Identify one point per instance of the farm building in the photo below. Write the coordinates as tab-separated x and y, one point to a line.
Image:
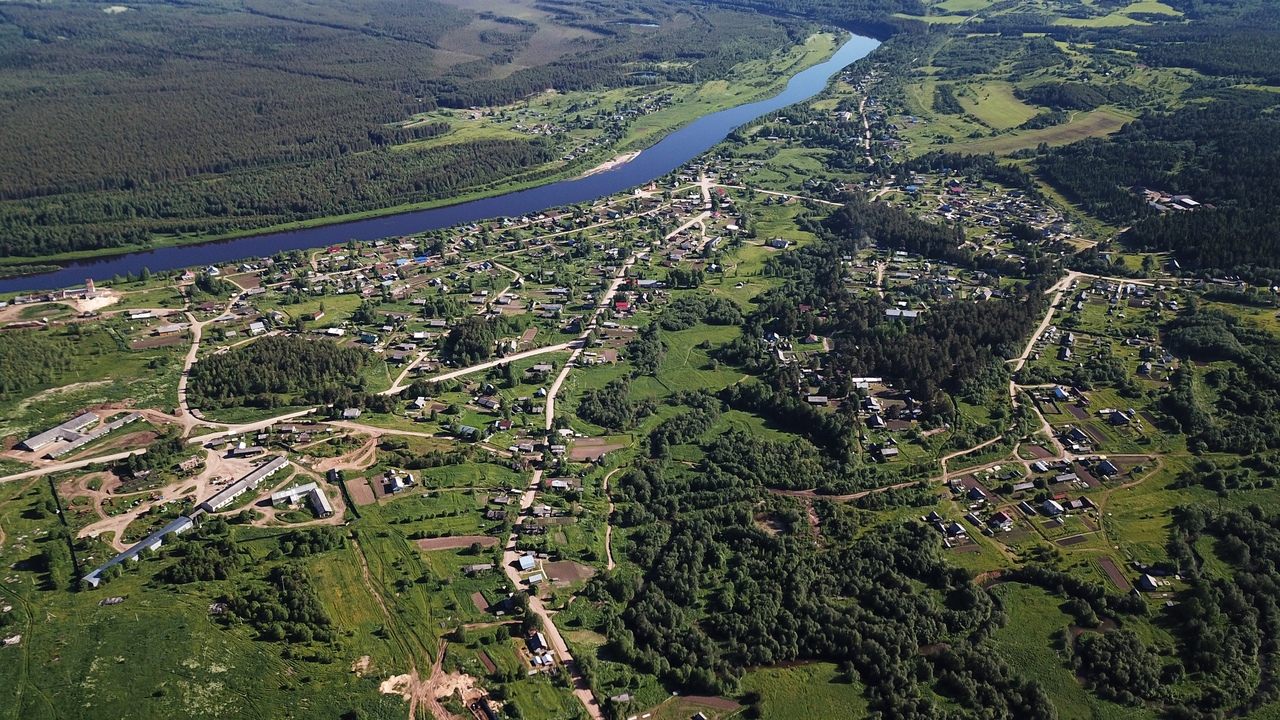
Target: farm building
243	485
152	541
89	437
69	430
310	491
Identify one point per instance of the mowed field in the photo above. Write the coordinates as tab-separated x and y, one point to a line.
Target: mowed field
1100	122
994	104
456	541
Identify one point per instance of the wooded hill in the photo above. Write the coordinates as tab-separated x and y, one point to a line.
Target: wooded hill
205	118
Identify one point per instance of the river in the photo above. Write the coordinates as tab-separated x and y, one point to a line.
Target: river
668	154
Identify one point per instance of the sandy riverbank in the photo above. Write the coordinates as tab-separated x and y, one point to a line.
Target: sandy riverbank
611	164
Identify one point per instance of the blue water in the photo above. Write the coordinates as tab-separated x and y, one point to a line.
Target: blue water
668	154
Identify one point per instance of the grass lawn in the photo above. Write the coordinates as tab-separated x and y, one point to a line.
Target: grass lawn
808	691
102	369
754	79
159	653
1154	7
538	699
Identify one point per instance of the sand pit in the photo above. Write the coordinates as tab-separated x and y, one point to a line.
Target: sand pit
361	667
396	685
101	299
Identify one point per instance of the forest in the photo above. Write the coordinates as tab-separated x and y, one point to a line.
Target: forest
1244	415
718	594
474	338
203	119
275	370
30	359
1227	625
612	406
934	355
1221	153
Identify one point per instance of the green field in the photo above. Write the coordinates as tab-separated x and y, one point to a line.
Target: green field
1026	643
804	692
1097	123
994	104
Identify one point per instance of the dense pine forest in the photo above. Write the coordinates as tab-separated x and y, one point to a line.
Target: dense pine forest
205	119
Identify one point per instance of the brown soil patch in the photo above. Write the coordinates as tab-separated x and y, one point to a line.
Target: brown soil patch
1037	452
568	571
246	280
716	702
1119	460
461	541
527	337
592	448
1016	535
556	521
361	493
1049	407
487	662
478	599
1078	412
1113	572
1095	433
158	342
1068	542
